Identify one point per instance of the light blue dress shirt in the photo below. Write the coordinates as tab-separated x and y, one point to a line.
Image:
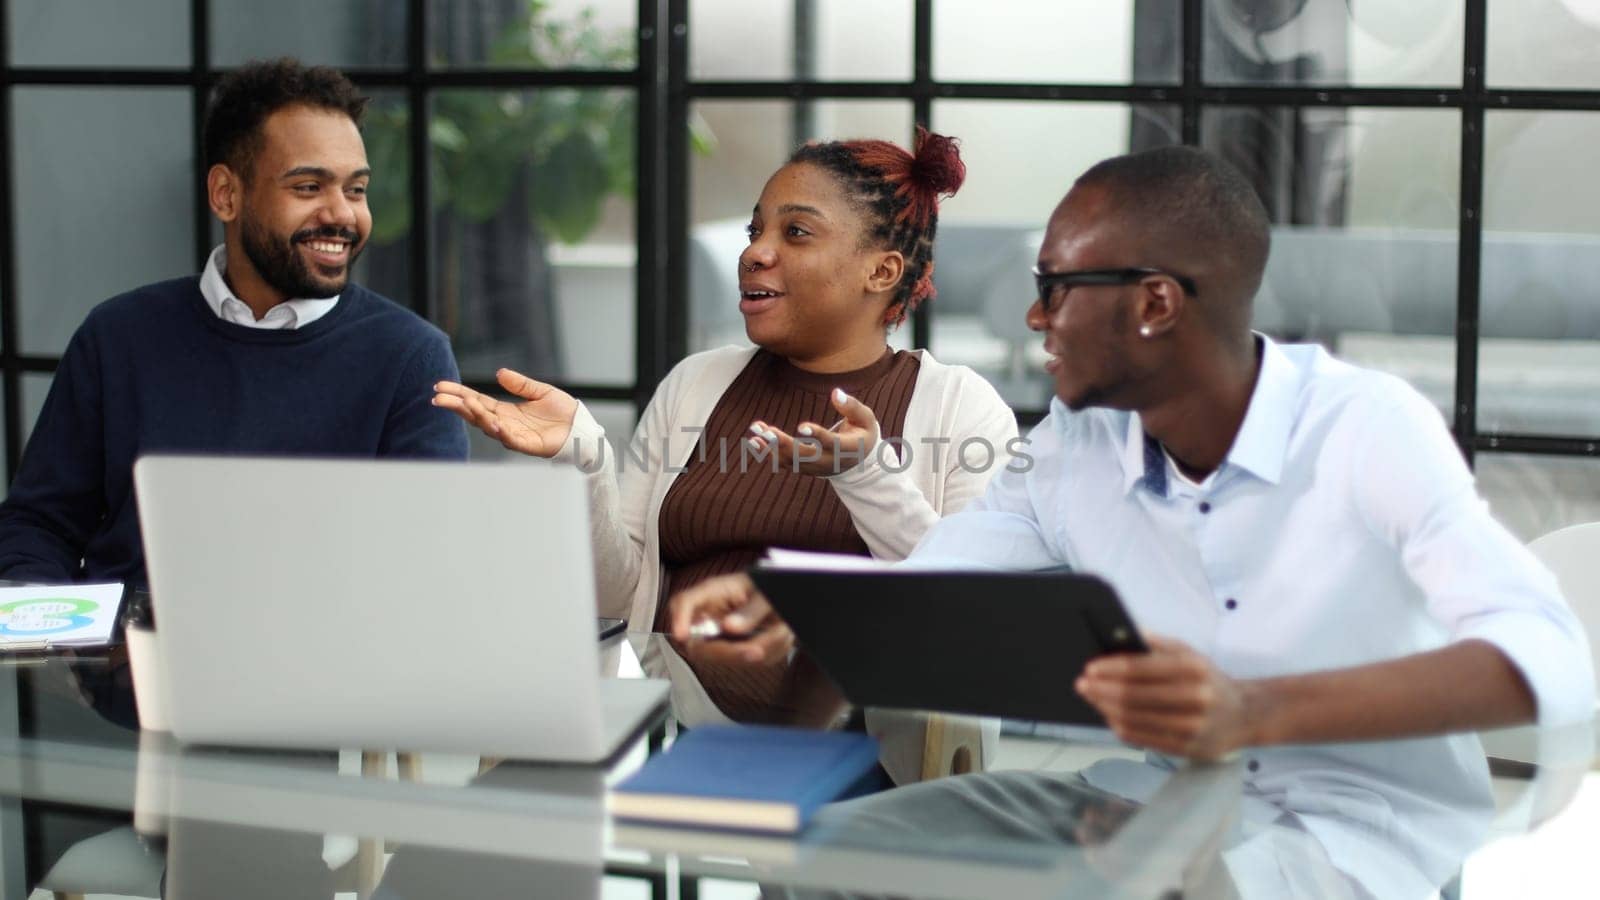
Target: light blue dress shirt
1343	528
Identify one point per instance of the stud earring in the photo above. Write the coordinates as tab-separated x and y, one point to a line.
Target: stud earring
1144	331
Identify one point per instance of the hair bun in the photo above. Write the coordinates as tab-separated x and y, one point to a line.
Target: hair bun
936	165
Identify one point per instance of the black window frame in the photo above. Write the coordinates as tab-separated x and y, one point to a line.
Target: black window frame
652	354
1193	96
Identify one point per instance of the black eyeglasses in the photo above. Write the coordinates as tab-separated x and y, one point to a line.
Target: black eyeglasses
1047	282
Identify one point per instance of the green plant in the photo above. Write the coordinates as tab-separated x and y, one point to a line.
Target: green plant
575	146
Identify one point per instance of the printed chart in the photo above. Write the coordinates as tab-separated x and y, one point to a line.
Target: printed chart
60	616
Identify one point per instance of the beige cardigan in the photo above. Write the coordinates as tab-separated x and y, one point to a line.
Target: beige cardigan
891	506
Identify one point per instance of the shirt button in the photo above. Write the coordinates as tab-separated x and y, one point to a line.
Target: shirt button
1205	507
1232	603
1253	765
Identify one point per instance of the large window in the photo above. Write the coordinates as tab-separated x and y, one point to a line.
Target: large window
505	141
562	184
1432	208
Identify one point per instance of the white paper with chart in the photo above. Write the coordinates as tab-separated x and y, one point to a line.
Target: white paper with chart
69	615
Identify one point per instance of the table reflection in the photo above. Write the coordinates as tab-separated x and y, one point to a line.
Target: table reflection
201	799
1377	819
244	823
1202	829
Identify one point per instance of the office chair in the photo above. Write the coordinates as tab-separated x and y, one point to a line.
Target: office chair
1573	555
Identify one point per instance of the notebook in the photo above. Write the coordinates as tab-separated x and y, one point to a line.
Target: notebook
748	778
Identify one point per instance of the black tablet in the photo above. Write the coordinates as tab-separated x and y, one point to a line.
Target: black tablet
993	644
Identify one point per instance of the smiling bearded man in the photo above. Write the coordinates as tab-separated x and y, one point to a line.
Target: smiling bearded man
271	350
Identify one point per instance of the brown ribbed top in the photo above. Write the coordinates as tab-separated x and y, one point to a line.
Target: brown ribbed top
717	519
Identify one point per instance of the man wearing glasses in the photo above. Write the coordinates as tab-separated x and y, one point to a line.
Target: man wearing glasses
1300	540
1308	525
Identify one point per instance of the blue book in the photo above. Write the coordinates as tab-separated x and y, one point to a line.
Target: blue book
747	777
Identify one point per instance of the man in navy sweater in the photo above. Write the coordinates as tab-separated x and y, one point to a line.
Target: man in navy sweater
271	350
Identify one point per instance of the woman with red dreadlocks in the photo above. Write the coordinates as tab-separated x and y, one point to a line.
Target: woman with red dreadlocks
819	437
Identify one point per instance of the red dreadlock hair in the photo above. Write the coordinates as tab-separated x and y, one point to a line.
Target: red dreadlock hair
899	194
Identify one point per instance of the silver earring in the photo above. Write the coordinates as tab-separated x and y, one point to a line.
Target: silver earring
1144	331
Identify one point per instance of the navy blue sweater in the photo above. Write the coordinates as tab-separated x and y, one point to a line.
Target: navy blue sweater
155	370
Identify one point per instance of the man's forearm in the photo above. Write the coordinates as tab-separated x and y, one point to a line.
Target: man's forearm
1466	686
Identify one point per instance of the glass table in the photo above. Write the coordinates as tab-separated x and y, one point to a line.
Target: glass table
91	805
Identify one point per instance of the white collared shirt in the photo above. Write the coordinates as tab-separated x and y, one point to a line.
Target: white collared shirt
296	313
1343	528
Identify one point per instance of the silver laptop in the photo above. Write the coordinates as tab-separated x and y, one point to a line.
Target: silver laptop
420	606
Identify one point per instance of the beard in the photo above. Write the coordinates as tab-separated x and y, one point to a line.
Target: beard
280	265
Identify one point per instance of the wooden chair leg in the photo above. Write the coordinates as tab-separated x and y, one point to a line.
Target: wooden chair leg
410	769
410	766
60	895
485	763
952	745
369	851
369	867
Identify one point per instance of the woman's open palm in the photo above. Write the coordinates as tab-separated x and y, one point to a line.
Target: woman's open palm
538	426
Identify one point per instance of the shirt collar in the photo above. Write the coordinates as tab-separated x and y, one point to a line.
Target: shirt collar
1259	448
1262	444
1143	463
303	311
